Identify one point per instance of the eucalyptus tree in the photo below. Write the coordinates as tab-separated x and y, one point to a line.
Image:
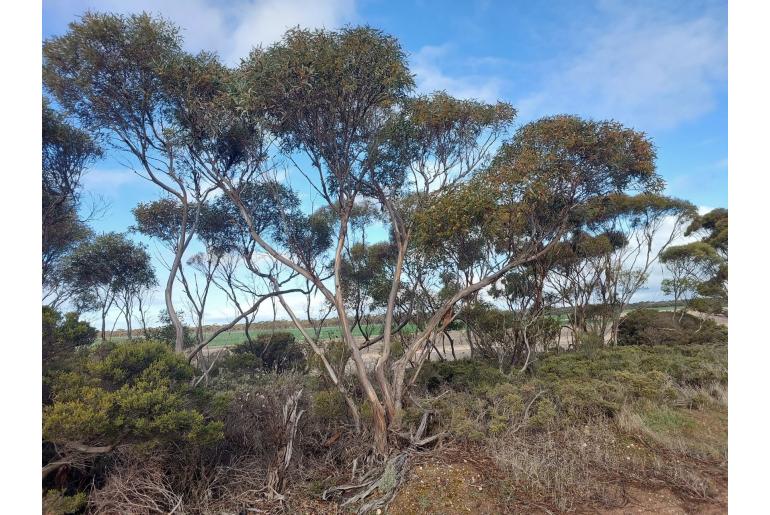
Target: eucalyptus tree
647	223
196	284
689	266
700	268
512	335
712	293
713	228
66	152
105	270
126	78
341	99
574	277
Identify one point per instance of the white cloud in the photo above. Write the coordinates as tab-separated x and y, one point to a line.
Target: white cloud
647	68
430	77
230	28
107	182
265	21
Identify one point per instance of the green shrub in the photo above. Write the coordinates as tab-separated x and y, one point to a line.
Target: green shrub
329	405
589	397
590	383
651	385
56	502
500	333
242	361
462	374
278	352
692	364
130	391
544	415
337	354
650	327
166	332
63	334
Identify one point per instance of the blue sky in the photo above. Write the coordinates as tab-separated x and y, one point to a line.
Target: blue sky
660	67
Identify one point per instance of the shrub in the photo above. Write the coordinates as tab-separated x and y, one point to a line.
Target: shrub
337	353
63	334
544	416
328	405
692	364
253	423
586	398
56	502
499	334
278	352
127	392
166	332
650	327
462	374
490	410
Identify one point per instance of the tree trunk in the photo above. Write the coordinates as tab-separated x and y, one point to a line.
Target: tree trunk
104	325
179	340
247	325
127	315
380	429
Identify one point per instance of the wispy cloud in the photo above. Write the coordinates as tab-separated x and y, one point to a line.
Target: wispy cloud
430	76
230	28
107	182
647	67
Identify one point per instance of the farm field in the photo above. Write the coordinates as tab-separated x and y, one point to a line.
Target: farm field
238	336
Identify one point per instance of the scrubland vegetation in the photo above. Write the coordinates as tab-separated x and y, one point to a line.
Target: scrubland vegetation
435	226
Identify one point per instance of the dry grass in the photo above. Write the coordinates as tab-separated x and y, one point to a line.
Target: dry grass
570	466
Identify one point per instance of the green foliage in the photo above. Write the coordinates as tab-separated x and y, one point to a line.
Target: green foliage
650	327
499	334
545	414
462	375
129	392
337	353
61	336
329	405
693	364
277	351
107	265
266	202
100	52
56	502
490	410
358	70
67	151
715	225
574	388
166	333
161	219
366	272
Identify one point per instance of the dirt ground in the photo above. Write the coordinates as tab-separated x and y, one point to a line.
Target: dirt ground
459	483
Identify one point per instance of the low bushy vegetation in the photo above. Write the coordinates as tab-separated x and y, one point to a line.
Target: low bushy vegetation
562	433
651	327
277	351
130	434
